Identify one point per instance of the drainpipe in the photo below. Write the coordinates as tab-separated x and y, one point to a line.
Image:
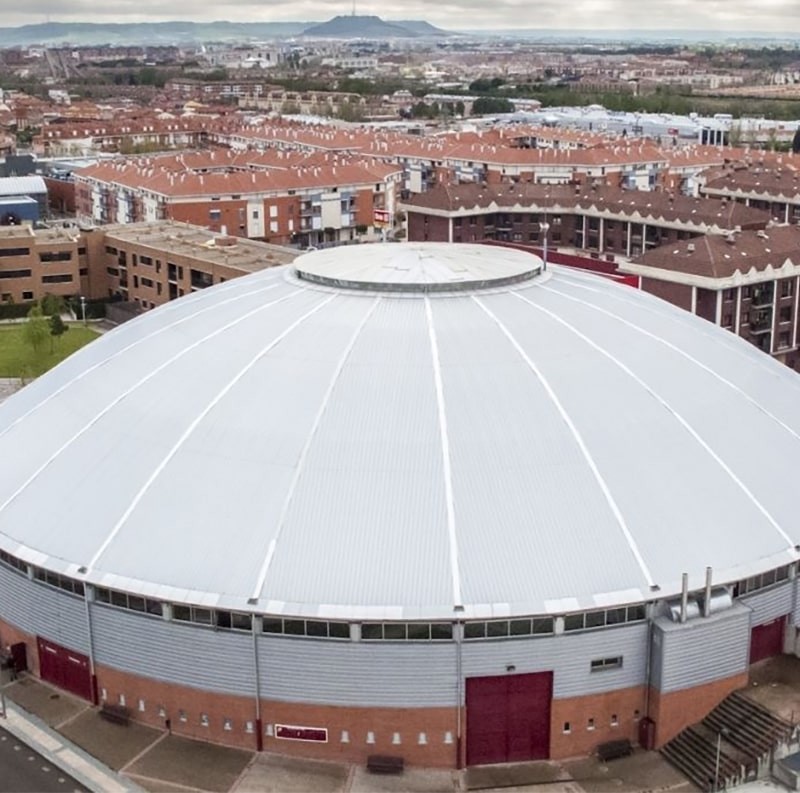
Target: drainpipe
648	664
256	626
684	596
459	688
707	601
90	635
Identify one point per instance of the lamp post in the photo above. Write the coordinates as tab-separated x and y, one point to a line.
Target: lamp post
724	731
544	227
83	309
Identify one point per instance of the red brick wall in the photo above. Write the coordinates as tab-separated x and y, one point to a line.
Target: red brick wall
10	634
671	712
60	196
627	705
678	294
674	711
357	722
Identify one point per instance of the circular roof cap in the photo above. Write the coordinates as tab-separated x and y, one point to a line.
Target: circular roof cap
418	267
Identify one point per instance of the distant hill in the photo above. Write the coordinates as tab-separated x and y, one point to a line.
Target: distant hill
153	33
371	27
421	28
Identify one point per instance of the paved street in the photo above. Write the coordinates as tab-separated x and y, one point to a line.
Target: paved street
25	771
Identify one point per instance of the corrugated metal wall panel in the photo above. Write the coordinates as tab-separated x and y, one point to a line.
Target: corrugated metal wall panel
186	654
569	656
359	674
43	611
766	606
702	650
796	603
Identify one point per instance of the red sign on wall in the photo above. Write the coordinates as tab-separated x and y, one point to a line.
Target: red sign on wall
380	216
292	732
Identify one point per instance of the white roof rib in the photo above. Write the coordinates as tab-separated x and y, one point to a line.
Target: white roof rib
447	470
116	401
678	417
561	442
304	453
121	351
576	435
202	415
679	351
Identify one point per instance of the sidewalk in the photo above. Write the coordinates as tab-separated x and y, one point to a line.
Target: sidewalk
85	769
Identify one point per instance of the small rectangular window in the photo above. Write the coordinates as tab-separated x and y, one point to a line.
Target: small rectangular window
419	631
543	625
294	627
615	616
573	622
595	619
242	622
135	603
474	630
520	627
636	613
441	631
600	664
316	628
272	625
394	631
496	628
371	630
338	630
154	607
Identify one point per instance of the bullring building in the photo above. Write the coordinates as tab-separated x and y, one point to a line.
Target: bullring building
428	500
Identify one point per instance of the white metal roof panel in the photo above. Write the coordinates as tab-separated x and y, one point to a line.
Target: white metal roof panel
271	431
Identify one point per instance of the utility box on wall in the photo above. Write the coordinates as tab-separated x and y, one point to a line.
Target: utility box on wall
647	734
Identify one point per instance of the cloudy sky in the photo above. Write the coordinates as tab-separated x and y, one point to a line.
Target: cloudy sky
780	16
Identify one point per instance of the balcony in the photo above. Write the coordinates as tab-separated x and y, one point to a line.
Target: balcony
762	297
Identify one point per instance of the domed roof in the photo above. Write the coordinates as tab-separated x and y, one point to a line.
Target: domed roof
548	442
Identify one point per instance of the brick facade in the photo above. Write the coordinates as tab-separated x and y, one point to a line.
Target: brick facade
425	737
594	719
674	711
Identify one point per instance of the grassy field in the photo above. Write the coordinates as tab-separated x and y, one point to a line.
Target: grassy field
19	359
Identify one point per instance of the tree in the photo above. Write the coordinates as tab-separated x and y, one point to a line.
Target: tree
52	304
57	329
36	328
490	104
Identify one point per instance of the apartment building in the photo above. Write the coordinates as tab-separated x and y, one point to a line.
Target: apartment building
46	261
746	282
150	264
147	264
284	202
603	220
773	187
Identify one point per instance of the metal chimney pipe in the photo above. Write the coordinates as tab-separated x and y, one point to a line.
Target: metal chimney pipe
707	601
684	596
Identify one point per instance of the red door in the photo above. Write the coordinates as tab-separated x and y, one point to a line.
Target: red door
766	641
65	668
508	718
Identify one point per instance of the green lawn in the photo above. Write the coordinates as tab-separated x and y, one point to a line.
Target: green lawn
19	359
